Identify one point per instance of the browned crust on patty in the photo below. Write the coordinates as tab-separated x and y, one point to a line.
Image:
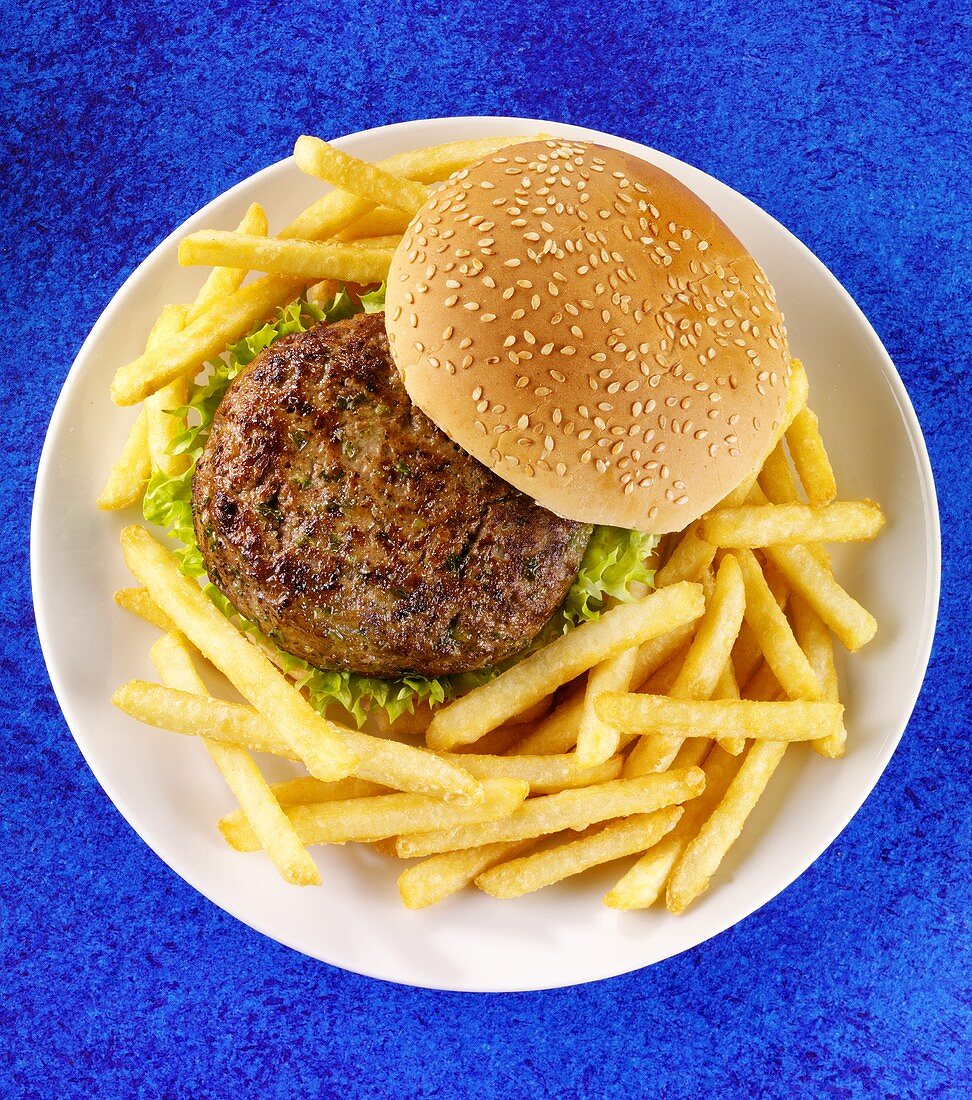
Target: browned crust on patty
338	518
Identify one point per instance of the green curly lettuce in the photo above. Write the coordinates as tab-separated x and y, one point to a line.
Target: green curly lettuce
613	564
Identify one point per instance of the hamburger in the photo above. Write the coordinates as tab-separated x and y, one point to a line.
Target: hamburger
575	356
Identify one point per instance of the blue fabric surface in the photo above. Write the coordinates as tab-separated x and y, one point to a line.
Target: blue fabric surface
849	123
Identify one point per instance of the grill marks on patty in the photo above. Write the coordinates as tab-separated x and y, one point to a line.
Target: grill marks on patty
336	516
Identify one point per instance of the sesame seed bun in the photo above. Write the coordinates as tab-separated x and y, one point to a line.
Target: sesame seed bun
585	326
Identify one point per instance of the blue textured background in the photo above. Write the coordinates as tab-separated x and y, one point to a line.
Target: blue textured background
850	124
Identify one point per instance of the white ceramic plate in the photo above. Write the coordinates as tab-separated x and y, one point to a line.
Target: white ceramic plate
167	789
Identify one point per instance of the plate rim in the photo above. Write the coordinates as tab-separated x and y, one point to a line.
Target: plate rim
43	621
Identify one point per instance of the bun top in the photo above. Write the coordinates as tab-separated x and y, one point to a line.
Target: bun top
585	326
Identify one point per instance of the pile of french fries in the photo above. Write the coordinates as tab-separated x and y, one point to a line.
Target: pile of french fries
649	734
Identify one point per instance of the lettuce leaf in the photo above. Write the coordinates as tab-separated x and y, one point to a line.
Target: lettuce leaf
613	562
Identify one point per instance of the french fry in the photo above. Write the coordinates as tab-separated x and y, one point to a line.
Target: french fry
304	789
230	319
385	815
206	337
746	653
337	210
126	481
552	813
764	686
224	281
532	872
792	720
790	524
127	477
717	631
658	652
556	734
438	877
796	397
728	688
597	741
645	881
810	458
139	602
692	555
248	670
388	242
533	714
702	668
316	158
497	742
270	825
688	561
545	774
380	222
815	641
695	867
775	637
379	760
776	481
850	622
661	680
536	676
160	407
776	478
298	259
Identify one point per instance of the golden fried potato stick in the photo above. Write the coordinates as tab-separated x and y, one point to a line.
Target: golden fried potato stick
555	734
702	856
224	281
615	840
379	760
552	813
755	525
542	672
385	815
645	882
230	319
804	573
298	259
810	458
205	338
139	602
128	477
382	221
438	877
130	472
790	720
367	181
776	478
816	643
764	686
849	621
546	774
767	621
558	732
273	830
303	790
596	741
702	668
162	407
248	670
337	210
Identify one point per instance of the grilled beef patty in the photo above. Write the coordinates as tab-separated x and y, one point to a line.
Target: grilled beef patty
338	518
